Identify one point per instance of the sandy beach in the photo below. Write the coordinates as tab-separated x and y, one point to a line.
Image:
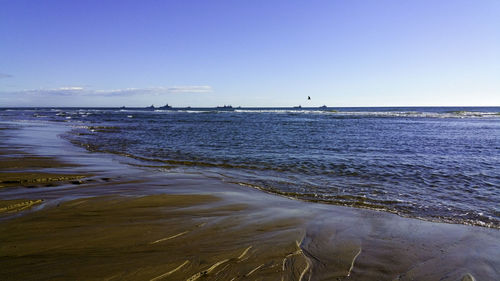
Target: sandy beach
67	214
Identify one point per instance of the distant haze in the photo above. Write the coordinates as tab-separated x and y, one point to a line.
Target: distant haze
250	53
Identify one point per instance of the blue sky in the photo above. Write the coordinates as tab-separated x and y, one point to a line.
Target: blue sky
249	53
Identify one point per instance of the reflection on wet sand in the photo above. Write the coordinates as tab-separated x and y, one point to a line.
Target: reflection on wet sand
233	236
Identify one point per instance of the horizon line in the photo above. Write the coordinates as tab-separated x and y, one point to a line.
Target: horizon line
249	107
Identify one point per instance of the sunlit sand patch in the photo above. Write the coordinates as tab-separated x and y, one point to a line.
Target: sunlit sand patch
296	266
11	206
352	264
222	269
468	277
170	237
244	253
170	272
206	272
35	179
253	270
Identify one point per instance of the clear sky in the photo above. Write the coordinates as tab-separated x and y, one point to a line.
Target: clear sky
249	53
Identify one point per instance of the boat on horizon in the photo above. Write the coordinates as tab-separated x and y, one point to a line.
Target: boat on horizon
166	106
225	108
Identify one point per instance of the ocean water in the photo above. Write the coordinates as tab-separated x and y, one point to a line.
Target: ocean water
434	163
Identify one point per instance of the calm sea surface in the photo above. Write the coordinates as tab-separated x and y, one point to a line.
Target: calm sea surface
439	164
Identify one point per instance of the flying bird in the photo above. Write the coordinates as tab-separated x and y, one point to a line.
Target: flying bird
308	98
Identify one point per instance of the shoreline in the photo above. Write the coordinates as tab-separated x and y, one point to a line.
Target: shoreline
133	223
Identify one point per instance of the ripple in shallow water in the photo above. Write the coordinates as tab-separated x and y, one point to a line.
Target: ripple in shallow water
425	163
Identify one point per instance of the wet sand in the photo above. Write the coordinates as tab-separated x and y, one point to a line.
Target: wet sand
120	222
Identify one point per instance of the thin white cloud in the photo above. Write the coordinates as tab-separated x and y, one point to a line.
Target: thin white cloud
156	90
61	91
190	89
81	91
69	89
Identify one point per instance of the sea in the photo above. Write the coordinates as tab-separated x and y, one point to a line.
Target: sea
433	163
